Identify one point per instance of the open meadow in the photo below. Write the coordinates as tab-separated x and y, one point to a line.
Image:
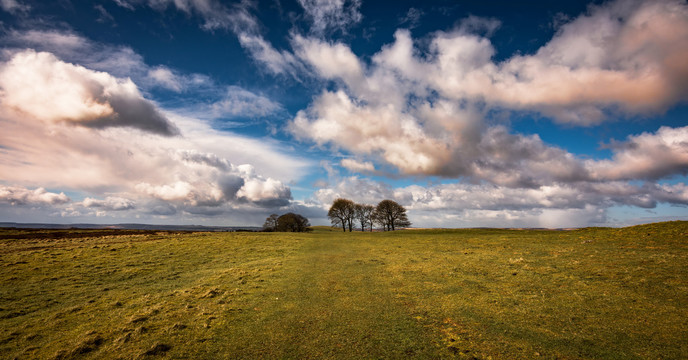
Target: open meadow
595	293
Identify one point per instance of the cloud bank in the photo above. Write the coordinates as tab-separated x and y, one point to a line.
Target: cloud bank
89	131
422	110
16	195
558	205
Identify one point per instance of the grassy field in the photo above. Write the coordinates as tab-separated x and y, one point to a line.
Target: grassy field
488	294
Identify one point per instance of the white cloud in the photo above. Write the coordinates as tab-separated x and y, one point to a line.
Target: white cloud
104	14
41	86
199	193
265	191
125	4
199	96
17	195
65	41
43	99
166	78
423	112
214	13
331	15
336	118
412	18
111	203
238	102
276	61
646	156
358	166
240	21
14	6
331	61
118	61
622	54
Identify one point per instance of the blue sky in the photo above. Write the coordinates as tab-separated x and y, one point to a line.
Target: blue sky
473	113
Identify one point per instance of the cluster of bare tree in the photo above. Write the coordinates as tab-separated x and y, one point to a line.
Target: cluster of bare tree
288	222
388	214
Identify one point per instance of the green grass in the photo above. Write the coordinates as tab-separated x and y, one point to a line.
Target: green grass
488	294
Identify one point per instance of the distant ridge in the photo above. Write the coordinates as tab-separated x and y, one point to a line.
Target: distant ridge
126	227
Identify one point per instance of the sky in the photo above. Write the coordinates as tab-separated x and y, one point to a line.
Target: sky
469	114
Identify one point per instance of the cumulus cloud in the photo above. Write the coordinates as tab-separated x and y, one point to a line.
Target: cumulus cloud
619	56
78	129
358	166
217	182
189	174
199	193
70	47
43	87
331	61
330	15
116	60
111	203
17	195
398	138
423	110
192	94
337	119
268	192
646	156
238	102
164	77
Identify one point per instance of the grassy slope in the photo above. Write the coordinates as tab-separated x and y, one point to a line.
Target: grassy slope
501	294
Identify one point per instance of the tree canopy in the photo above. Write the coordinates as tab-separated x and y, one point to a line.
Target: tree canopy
270	223
364	214
288	222
391	215
291	222
342	213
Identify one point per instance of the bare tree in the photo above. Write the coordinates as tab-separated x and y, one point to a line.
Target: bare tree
362	213
372	216
391	215
342	213
379	218
270	223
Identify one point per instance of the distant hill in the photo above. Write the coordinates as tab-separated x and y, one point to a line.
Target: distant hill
127	227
